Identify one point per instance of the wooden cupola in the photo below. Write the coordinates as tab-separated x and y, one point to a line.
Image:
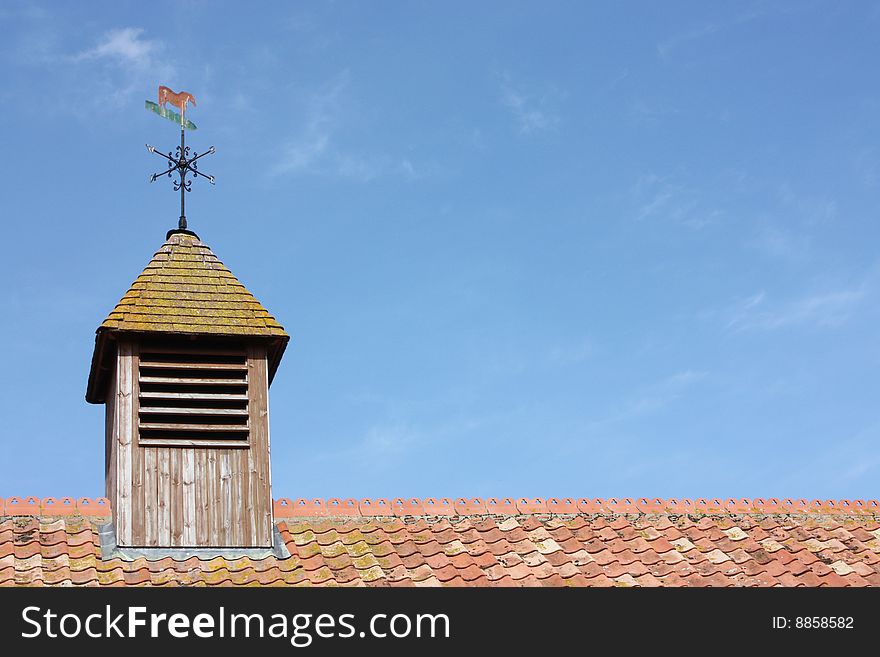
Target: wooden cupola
183	365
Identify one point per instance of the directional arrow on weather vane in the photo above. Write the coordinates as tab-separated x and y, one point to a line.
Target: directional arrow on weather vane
182	161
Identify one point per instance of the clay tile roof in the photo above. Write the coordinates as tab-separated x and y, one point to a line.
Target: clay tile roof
186	289
482	543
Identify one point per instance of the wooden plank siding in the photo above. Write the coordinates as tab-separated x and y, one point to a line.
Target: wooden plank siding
202	536
151	497
175	497
187	495
110	465
163	506
258	457
224	522
212	484
137	461
188	501
124	436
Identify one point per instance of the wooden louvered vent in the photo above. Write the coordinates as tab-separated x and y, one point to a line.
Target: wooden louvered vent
192	397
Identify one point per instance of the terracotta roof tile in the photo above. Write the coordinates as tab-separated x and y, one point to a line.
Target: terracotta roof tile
806	548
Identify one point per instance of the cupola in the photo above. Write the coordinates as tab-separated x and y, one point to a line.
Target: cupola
183	365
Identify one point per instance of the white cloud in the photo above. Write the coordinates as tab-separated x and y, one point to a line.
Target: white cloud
665	48
851	461
309	148
571	354
303	154
531	111
781	243
315	149
651	398
386	441
382	447
662	394
662	198
808	209
825	309
104	71
867	166
125	46
644	111
130	66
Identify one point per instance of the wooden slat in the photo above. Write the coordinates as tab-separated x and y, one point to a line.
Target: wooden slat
151	495
151	350
247	510
202	536
210	396
163	508
188	474
195	427
175	501
256	490
225	518
168	365
109	426
112	451
193	381
212	476
124	429
238	461
259	482
194	442
156	410
137	461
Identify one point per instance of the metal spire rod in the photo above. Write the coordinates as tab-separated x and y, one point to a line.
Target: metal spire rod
181	224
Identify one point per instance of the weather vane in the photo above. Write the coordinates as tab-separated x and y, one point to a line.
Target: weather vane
181	161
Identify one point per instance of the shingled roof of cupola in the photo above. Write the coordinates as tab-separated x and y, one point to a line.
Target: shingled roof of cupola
186	290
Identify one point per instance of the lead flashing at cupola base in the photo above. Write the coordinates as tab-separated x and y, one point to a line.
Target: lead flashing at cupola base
110	550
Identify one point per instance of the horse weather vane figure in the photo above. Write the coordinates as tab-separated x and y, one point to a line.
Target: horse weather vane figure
182	161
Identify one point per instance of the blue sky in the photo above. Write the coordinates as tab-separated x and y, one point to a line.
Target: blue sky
555	249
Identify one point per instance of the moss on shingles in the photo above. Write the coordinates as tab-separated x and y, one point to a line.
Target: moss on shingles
186	289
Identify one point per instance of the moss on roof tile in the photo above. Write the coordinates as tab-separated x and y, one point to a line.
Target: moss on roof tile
186	289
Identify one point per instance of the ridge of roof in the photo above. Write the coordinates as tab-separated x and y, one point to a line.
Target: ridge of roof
476	506
186	289
446	507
